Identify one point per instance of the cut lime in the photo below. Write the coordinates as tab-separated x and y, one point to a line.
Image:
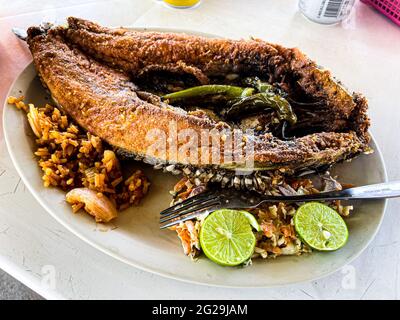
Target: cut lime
321	227
226	237
252	220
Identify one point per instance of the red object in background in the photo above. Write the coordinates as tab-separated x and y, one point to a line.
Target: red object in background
390	8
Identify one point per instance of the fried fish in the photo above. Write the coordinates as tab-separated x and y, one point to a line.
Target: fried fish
101	78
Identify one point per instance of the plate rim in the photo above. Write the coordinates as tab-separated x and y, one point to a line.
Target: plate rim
138	264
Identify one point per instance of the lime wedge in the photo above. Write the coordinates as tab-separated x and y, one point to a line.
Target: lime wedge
321	227
226	237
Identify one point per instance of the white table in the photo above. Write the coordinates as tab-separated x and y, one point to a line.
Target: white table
364	54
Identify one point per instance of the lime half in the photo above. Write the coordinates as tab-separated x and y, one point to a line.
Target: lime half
226	237
321	227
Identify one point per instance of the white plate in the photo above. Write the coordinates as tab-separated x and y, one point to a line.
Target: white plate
138	241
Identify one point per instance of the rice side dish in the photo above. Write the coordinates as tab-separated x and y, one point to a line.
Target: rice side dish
80	163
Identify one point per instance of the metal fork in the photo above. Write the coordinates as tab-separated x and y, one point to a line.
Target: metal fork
215	199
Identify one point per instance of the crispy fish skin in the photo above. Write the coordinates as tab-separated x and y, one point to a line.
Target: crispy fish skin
137	52
100	99
106	103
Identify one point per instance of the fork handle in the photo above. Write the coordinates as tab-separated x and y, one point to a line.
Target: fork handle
372	191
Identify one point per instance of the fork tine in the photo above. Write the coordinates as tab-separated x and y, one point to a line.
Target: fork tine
186	202
186	217
190	208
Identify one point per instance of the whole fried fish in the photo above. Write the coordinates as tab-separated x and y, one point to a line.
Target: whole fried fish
93	73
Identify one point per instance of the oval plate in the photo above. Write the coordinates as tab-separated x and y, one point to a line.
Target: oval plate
135	237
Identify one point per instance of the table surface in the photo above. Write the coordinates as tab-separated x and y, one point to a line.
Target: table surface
363	52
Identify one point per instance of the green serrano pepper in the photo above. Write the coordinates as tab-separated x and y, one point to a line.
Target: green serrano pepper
228	92
238	100
259	102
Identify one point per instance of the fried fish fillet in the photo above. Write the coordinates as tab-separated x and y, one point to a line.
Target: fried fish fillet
91	70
